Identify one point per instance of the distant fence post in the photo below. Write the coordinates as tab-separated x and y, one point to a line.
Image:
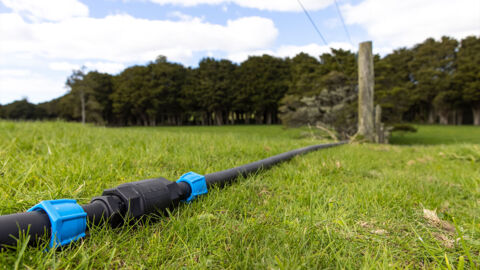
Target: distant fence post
366	126
379	127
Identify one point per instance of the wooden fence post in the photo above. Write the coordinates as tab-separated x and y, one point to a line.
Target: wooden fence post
366	126
379	127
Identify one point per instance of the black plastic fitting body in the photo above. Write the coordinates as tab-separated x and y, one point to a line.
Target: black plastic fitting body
128	201
135	199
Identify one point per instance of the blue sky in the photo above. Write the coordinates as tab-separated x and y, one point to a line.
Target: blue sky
294	26
42	41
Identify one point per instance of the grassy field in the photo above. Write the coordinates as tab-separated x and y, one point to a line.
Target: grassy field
436	135
354	206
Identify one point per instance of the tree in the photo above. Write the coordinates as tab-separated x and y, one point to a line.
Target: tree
78	89
189	99
304	71
434	81
50	108
68	108
165	87
393	86
21	110
264	81
467	77
242	103
99	103
432	68
92	90
322	93
334	107
215	88
341	61
130	99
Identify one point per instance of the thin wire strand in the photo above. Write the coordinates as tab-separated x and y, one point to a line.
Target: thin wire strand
313	23
343	22
340	66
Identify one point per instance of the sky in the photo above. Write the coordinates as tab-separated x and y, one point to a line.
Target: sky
43	41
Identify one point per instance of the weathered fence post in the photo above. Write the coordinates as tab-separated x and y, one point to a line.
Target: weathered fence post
366	126
379	127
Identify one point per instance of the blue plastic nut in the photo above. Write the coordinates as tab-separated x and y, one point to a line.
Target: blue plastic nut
67	218
197	184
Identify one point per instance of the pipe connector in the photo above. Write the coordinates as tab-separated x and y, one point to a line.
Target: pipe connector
67	218
197	183
146	196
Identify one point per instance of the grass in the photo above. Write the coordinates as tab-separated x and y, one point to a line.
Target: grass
354	206
435	135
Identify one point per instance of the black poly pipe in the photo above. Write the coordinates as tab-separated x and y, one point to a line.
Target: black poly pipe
37	223
223	177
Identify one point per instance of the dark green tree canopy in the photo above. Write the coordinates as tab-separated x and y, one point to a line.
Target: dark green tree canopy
436	81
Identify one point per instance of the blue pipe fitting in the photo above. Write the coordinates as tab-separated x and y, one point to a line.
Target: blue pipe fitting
67	218
197	183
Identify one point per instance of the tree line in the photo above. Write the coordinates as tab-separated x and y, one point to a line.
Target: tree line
436	81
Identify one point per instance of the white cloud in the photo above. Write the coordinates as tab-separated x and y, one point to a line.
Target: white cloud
284	5
52	49
189	3
312	49
393	23
14	72
332	23
243	55
63	66
16	84
183	17
270	5
122	38
50	10
105	67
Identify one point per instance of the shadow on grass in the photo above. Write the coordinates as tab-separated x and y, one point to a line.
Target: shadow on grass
436	134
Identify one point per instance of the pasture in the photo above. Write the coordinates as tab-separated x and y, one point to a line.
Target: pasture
412	204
